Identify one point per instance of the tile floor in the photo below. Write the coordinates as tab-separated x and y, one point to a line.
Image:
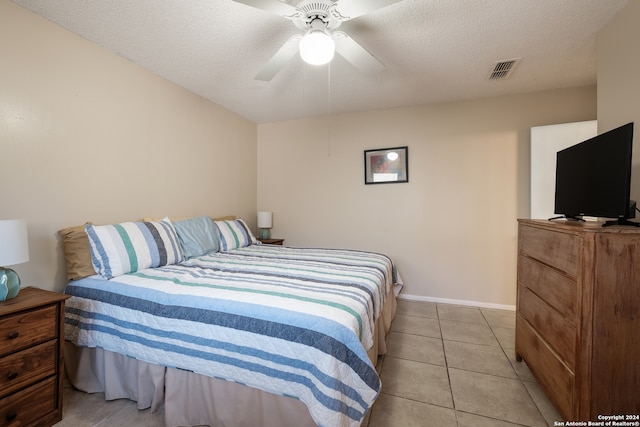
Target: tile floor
450	365
447	365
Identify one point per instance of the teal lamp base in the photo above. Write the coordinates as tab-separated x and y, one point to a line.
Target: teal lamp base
265	233
9	284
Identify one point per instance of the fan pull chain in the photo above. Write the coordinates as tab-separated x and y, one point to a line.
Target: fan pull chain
329	110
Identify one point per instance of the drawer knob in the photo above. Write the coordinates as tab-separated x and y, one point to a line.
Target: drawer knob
12	376
13	335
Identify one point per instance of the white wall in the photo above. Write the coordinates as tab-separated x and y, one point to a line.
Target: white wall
452	228
619	80
86	135
546	141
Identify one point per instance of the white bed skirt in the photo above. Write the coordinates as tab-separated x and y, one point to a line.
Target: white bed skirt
191	399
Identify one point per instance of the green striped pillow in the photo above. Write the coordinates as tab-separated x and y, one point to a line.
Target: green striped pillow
128	247
234	234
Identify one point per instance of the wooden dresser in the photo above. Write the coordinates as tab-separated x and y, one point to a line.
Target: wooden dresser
31	358
578	315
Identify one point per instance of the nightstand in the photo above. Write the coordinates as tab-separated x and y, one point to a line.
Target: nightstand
272	241
31	358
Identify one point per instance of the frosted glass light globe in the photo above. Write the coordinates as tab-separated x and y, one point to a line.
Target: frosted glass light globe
317	48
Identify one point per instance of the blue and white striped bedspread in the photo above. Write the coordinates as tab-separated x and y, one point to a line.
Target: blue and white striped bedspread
290	321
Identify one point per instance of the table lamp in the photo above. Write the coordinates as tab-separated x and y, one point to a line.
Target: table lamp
14	249
265	221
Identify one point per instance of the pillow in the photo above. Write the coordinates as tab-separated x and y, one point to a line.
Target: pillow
197	236
77	253
128	247
234	234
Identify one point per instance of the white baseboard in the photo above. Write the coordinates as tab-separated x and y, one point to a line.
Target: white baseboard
458	302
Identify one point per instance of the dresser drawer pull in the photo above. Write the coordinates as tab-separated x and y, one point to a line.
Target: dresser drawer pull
11	416
13	335
12	376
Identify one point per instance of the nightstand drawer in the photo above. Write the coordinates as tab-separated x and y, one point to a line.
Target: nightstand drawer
26	367
28	328
29	405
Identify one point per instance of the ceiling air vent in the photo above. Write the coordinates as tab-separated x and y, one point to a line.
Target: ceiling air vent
503	69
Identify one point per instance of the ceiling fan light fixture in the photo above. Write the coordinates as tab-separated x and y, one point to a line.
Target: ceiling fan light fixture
317	47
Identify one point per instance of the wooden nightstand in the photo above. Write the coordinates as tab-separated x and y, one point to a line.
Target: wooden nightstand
272	241
31	358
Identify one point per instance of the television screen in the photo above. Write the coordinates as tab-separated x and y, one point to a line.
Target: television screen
593	178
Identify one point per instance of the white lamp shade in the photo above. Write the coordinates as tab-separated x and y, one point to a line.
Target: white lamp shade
14	245
265	219
317	48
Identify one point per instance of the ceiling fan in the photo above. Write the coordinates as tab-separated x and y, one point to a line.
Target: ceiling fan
318	19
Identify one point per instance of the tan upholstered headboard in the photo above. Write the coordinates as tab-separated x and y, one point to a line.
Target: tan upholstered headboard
77	253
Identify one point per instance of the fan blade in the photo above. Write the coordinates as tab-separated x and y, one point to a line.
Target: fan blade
349	9
280	59
273	6
350	50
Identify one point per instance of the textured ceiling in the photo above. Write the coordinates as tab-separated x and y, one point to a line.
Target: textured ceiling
433	50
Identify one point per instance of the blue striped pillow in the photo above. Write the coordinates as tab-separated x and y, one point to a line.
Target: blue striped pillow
128	247
234	234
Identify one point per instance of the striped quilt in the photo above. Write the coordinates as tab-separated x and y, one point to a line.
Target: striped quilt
290	321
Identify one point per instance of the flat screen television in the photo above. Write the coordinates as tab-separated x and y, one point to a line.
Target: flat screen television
593	178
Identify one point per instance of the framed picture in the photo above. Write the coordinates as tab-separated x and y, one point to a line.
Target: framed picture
386	165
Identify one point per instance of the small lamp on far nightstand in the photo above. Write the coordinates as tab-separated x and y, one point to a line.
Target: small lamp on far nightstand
265	222
14	249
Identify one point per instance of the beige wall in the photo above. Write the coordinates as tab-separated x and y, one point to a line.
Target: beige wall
452	229
86	135
619	80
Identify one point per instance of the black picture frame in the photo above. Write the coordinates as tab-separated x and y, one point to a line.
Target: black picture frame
386	165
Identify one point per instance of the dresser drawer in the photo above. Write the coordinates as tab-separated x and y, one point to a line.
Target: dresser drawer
27	366
558	331
30	405
554	376
559	250
27	328
553	287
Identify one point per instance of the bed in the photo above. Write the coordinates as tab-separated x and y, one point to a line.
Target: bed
239	334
